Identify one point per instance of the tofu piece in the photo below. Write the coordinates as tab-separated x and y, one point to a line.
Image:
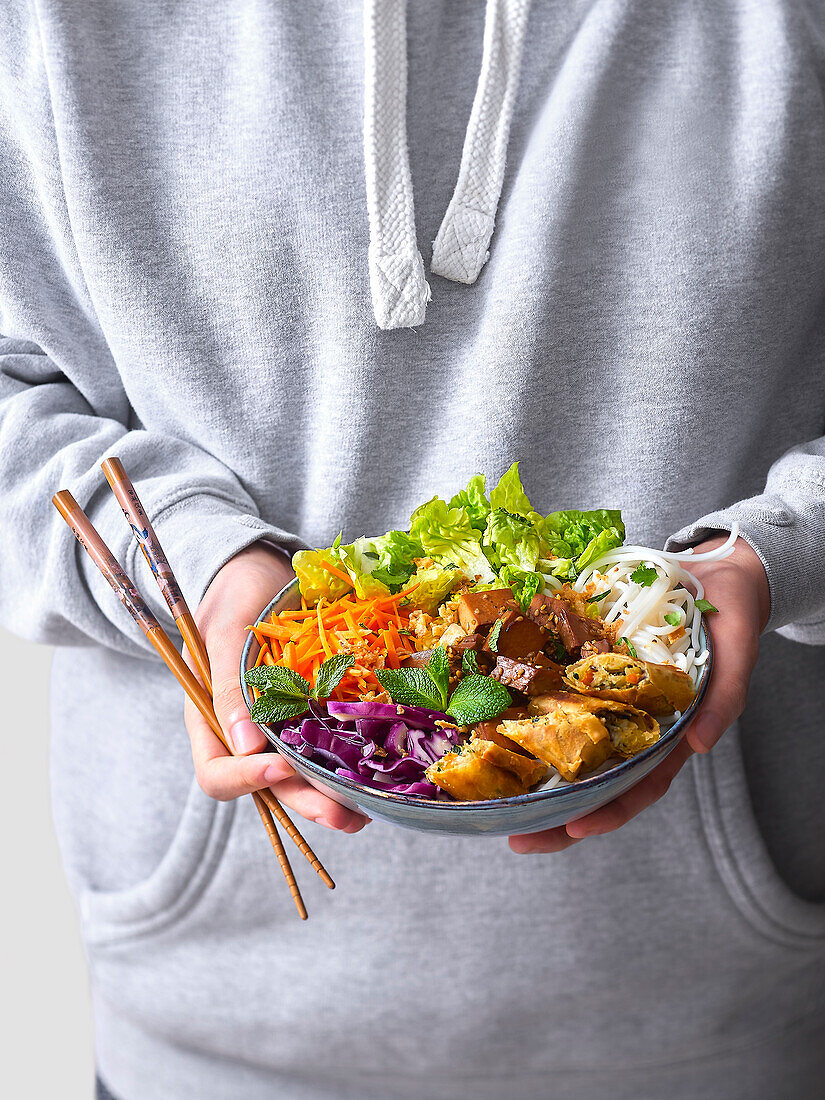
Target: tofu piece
529	677
519	636
558	616
477	609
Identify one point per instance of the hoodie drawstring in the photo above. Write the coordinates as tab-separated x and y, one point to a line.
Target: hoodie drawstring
399	288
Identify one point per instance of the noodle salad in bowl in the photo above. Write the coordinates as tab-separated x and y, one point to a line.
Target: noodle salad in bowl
489	669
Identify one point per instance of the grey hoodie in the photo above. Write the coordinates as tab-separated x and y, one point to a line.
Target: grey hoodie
184	281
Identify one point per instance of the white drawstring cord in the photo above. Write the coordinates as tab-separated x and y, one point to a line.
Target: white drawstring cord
460	249
399	289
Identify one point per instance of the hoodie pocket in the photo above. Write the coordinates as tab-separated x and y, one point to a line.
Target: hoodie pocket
174	888
771	909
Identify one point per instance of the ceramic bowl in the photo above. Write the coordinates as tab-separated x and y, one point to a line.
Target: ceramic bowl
526	813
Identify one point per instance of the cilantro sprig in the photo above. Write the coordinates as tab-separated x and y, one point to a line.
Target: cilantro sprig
475	699
673	618
285	694
706	607
644	575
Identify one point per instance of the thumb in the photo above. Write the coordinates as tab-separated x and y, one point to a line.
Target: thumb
735	648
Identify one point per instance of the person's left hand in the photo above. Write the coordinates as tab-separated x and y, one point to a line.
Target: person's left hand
738	587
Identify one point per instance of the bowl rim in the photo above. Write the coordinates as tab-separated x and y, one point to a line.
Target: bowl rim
669	738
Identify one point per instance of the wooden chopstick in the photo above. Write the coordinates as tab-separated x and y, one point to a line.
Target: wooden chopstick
85	533
149	543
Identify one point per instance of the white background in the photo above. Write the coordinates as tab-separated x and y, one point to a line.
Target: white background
44	997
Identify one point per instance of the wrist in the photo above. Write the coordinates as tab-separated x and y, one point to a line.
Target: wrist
744	559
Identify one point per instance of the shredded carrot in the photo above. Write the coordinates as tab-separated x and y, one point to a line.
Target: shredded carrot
321	632
370	629
336	572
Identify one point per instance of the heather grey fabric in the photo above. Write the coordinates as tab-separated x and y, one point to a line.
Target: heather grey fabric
183	281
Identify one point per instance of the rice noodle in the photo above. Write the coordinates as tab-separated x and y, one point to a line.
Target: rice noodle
641	610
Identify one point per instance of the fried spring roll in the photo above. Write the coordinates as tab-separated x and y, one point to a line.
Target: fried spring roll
482	770
578	733
657	689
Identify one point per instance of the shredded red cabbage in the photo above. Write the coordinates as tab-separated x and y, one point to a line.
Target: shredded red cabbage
383	746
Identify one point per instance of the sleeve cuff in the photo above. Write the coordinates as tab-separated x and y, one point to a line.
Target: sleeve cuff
199	533
789	549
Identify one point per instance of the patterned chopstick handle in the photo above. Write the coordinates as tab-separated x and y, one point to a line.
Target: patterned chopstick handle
145	535
105	560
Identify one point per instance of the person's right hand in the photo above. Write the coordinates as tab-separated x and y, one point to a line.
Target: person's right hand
234	600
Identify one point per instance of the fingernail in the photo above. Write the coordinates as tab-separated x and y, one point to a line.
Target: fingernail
276	772
323	821
706	731
521	845
245	735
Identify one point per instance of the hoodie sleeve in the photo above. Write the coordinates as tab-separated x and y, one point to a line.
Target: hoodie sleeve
50	439
63	407
785	525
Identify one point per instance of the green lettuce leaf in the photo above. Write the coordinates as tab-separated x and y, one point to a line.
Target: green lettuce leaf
359	559
449	538
525	585
572	540
473	500
432	586
315	582
395	558
513	540
509	494
606	540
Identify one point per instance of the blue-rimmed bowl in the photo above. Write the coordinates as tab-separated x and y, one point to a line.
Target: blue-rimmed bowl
526	813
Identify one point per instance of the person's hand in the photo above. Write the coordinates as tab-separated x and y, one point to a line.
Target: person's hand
234	600
738	587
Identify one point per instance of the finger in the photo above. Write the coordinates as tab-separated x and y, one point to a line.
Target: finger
550	840
310	803
222	776
224	645
638	798
735	648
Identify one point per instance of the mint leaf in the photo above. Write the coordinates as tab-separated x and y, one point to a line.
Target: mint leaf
598	596
330	673
478	698
412	687
469	662
283	680
492	637
438	668
629	644
272	706
674	618
706	607
644	575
